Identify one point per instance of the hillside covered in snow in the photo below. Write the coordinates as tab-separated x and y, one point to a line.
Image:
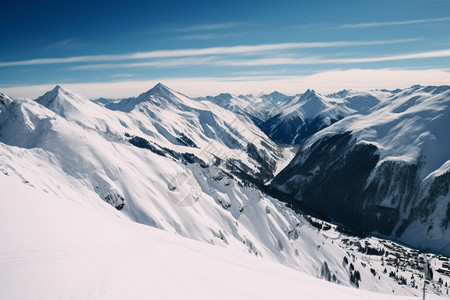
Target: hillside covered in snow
77	252
384	171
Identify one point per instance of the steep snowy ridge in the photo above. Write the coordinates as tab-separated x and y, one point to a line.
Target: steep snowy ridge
258	108
77	108
25	125
61	101
238	104
388	158
171	120
233	137
160	95
5	100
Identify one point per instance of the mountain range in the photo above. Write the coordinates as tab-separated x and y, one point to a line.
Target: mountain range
323	184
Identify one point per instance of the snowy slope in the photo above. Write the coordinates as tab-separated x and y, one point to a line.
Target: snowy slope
5	99
76	252
361	101
392	162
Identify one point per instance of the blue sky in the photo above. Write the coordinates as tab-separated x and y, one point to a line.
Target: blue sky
203	47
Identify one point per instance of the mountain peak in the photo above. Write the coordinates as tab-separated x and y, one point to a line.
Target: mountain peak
276	93
59	88
277	96
342	94
159	85
226	100
50	96
159	95
160	88
61	101
310	95
223	96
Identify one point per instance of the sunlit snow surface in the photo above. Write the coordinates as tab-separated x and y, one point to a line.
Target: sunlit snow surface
407	124
53	248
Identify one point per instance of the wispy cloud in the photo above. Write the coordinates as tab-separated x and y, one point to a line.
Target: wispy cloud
393	23
418	55
175	62
173	28
209	36
312	26
267	72
241	49
213	26
311	60
266	61
202	36
122	75
65	44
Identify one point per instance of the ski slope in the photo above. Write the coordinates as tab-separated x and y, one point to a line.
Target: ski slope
53	248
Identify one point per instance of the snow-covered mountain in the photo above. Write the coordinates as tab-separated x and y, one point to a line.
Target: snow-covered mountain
386	171
76	177
258	108
295	119
289	120
275	97
213	133
172	124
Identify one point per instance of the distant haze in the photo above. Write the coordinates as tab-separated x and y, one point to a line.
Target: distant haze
323	82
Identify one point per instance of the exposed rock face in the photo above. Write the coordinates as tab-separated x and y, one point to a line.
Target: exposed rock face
293	130
343	181
330	179
115	200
